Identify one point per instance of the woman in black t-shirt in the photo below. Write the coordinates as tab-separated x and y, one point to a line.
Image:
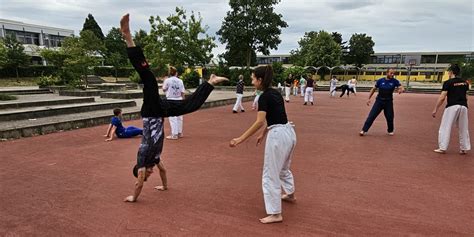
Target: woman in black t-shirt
279	146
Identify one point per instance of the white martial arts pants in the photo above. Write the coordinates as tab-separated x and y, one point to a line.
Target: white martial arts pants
308	96
332	90
176	124
255	102
238	102
279	147
295	90
455	114
302	88
287	93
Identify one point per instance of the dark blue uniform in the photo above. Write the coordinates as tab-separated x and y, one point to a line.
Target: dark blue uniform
384	101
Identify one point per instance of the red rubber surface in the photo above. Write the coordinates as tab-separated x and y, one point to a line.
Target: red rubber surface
73	183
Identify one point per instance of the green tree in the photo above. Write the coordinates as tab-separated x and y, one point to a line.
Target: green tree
14	55
179	40
116	50
3	53
236	57
361	46
140	38
317	49
83	52
345	49
251	26
91	24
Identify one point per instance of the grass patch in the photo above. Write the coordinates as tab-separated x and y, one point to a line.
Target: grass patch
7	97
22	81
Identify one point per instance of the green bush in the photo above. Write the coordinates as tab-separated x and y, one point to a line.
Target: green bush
45	81
134	77
7	97
31	71
191	79
110	71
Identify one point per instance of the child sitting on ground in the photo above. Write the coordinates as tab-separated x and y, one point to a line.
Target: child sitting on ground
119	130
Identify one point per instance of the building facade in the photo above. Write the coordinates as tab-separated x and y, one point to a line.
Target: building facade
414	66
34	37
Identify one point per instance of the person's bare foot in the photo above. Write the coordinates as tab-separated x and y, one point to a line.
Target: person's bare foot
125	25
214	80
161	188
288	197
275	218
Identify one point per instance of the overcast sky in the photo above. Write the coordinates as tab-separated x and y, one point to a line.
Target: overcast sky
395	25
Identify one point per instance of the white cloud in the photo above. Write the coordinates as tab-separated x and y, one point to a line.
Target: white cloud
395	25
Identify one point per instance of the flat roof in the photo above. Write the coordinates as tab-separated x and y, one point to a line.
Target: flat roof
6	23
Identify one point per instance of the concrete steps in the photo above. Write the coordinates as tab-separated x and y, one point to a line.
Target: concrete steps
17	91
36	102
37	112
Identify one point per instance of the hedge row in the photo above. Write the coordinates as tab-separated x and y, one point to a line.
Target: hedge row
37	71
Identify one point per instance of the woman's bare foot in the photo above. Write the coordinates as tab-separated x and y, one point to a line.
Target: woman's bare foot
214	80
275	218
288	197
161	188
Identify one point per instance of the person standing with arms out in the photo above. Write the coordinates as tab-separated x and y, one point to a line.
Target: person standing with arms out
288	82
456	112
333	86
384	101
240	93
279	145
174	88
308	95
302	86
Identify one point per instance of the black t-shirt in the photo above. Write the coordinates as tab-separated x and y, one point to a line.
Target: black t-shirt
310	82
271	102
288	82
457	89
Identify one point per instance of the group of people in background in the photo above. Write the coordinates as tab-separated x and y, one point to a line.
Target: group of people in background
271	121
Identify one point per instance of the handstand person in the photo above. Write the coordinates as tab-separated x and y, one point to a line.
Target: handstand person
279	146
154	109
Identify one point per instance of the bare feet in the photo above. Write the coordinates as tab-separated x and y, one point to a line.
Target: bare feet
125	30
272	219
125	25
440	151
214	80
161	188
288	197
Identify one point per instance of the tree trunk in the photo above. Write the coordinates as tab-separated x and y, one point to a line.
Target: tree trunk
249	56
17	76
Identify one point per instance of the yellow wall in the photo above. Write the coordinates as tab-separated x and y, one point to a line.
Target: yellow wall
415	76
198	70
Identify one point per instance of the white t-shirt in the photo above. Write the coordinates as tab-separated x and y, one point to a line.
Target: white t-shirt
174	87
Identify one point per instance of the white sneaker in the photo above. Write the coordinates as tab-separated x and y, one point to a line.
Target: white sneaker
439	151
390	133
362	133
172	137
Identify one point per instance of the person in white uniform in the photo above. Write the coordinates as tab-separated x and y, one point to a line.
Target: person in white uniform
302	86
174	89
279	146
353	85
456	113
333	86
239	92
